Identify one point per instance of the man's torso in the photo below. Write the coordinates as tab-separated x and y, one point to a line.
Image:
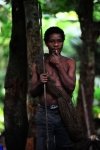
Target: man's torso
54	75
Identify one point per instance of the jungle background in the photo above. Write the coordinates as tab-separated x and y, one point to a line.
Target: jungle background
64	15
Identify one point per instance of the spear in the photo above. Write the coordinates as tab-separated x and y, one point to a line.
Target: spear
44	90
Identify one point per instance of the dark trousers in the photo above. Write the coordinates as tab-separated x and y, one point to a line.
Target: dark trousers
57	138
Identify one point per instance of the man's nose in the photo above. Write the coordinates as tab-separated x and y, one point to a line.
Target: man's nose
55	43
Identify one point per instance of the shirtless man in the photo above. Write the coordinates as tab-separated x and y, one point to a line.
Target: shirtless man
61	70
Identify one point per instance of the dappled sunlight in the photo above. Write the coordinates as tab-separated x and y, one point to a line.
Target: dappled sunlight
72	16
69	22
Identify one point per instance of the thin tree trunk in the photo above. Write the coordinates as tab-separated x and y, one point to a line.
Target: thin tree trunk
87	63
33	34
15	112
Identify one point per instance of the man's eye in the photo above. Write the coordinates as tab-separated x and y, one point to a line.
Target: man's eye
51	41
58	41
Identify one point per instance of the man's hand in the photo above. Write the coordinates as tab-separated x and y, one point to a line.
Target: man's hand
55	58
44	77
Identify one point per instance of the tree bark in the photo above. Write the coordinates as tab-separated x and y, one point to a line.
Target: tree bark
34	54
87	64
15	112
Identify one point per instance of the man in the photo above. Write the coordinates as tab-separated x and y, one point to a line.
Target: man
59	70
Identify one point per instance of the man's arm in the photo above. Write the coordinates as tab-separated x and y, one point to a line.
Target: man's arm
68	77
66	74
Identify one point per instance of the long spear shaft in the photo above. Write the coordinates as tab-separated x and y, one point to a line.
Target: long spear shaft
44	70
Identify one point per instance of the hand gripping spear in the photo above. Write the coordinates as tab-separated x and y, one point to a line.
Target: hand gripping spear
44	70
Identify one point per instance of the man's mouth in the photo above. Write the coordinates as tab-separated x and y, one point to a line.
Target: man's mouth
55	51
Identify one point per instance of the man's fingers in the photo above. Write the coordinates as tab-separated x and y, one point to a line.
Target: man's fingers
44	77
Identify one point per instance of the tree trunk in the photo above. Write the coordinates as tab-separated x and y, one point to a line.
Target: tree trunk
34	51
15	112
87	64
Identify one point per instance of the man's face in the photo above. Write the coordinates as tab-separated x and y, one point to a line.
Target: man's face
54	43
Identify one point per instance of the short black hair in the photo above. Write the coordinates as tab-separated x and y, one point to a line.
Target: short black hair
52	30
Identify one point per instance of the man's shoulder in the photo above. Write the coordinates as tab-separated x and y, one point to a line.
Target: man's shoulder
68	59
69	62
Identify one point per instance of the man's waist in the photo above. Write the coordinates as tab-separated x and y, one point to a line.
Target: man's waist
52	106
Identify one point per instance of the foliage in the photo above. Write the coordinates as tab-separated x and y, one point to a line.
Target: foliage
96	111
55	6
1	119
97	93
2	73
5	25
96	10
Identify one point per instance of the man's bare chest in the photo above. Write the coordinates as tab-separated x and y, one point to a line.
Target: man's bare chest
51	70
53	74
